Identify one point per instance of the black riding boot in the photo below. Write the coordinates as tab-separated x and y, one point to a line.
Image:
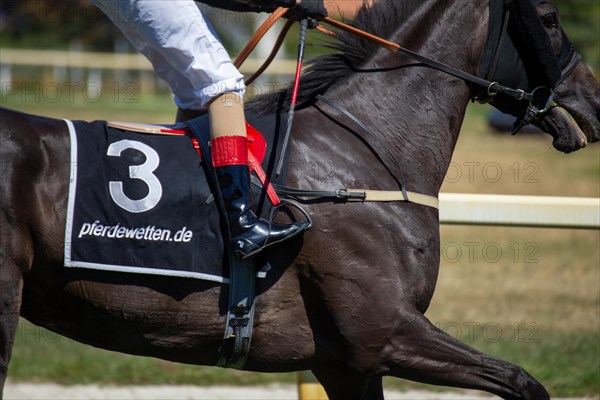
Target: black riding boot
249	234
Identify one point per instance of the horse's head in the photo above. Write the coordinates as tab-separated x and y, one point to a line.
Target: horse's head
538	54
576	118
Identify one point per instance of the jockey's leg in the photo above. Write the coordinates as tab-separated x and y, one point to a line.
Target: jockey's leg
230	158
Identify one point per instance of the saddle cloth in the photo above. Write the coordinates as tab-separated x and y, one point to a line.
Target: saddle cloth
142	203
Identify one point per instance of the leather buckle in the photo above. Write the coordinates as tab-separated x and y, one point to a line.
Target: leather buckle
350	196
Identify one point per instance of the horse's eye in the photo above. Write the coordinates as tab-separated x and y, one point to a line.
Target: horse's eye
550	20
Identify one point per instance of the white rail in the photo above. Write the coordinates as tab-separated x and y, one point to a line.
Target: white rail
110	61
523	211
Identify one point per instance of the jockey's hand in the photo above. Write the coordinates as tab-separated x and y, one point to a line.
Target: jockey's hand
308	9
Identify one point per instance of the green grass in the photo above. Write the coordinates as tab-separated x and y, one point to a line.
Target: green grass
543	292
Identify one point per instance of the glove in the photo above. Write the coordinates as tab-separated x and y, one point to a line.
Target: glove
309	9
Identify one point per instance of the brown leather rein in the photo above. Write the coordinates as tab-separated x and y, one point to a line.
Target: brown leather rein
540	99
276	16
257	37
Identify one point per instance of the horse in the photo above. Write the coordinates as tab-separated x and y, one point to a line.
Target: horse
348	298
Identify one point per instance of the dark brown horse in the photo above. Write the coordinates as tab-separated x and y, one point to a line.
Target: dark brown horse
347	301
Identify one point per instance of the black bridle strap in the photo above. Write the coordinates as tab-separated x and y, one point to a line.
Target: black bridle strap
502	37
492	87
570	67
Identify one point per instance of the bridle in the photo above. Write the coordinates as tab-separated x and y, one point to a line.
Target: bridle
540	100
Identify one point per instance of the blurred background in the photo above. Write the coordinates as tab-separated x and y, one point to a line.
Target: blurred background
530	296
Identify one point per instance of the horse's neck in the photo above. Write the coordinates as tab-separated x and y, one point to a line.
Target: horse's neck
418	111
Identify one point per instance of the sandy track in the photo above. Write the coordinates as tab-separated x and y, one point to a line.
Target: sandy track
28	391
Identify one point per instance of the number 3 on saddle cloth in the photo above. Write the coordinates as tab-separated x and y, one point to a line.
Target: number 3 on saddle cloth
140	200
257	147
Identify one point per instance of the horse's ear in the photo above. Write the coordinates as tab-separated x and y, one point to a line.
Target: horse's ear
533	44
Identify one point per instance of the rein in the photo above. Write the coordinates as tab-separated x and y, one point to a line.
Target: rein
540	99
257	37
493	87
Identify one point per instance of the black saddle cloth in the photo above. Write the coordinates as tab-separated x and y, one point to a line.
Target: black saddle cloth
143	203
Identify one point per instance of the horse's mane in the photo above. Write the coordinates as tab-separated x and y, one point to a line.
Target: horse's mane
382	18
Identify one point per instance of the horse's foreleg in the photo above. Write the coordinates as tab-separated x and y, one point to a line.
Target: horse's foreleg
422	352
343	384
